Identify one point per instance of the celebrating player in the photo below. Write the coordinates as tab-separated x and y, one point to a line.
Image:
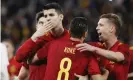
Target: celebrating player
64	60
51	29
115	55
23	74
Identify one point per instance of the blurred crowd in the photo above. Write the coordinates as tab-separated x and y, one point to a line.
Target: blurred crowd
18	17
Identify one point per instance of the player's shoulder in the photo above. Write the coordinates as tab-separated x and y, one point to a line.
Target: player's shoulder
97	44
122	44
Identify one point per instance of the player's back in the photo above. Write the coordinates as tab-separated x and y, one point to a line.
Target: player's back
64	60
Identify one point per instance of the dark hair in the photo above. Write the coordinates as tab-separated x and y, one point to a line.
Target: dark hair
39	15
55	6
115	19
78	27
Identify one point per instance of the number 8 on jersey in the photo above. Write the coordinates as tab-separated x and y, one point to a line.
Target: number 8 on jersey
64	70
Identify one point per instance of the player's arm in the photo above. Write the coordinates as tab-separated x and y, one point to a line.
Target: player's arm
94	70
25	50
80	77
100	77
41	54
114	56
23	73
130	75
31	46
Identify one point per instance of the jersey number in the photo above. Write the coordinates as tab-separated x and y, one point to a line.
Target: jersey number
64	70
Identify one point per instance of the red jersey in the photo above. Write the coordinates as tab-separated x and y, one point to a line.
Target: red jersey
64	60
14	67
131	62
29	48
96	60
118	70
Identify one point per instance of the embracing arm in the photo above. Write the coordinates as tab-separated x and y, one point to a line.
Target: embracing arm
118	56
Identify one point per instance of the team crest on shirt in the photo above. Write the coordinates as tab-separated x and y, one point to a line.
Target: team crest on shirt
46	34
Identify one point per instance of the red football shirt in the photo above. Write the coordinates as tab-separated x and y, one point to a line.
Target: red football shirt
118	70
131	62
64	60
29	48
14	67
95	60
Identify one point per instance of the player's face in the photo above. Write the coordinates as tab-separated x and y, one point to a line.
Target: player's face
53	16
103	29
10	49
40	22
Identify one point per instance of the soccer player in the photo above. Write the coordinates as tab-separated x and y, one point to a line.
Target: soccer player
115	55
25	69
130	73
63	60
51	30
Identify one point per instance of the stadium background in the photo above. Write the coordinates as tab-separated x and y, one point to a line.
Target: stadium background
18	16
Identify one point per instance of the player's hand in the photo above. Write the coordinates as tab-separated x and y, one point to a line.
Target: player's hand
81	77
105	73
85	47
54	22
42	30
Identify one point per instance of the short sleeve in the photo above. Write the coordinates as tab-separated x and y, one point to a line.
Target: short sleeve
124	49
93	67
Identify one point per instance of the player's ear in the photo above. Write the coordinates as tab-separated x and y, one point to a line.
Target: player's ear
85	34
112	28
61	17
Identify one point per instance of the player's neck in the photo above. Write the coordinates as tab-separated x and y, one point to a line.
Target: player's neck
76	39
57	31
110	42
